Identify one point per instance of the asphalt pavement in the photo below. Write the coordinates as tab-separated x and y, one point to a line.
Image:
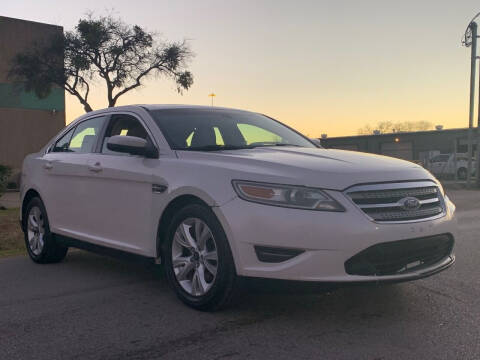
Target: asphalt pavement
94	307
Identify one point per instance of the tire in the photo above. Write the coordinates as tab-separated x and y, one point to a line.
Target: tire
191	279
462	174
40	242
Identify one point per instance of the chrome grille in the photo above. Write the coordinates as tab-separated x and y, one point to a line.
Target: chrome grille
412	201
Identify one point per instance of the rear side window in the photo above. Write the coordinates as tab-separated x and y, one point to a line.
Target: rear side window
82	138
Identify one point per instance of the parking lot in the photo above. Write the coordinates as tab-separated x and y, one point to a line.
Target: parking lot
93	307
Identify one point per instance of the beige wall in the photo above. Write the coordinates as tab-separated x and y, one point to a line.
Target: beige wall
25	126
26	131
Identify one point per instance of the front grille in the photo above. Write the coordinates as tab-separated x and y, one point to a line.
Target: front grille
398	202
400	257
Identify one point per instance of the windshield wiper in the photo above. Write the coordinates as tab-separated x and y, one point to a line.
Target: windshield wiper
264	144
214	147
286	144
232	147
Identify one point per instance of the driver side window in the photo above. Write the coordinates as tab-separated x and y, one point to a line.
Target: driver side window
123	125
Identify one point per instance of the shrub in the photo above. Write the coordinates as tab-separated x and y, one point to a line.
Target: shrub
5	172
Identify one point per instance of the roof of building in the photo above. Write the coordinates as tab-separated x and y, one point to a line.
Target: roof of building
28	21
426	132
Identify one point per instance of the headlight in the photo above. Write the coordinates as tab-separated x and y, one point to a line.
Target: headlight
299	197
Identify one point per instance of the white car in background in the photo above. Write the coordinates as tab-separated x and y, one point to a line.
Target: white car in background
446	165
214	194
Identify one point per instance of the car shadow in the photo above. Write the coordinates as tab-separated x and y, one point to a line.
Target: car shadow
262	298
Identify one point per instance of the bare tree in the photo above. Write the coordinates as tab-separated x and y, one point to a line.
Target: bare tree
385	127
104	48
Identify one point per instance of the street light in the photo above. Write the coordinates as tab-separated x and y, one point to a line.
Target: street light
212	95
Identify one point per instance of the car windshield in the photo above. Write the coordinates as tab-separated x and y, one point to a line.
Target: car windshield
216	129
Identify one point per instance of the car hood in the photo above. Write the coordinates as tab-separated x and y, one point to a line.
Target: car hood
326	168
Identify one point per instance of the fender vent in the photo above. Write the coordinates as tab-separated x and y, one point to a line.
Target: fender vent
276	255
158	189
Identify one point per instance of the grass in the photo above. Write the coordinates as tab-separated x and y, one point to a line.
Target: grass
11	235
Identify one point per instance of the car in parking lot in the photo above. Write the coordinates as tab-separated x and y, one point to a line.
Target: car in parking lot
214	194
447	165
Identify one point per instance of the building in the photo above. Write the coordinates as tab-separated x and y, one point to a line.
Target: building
26	122
416	146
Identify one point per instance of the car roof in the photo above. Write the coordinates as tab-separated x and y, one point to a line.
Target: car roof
179	106
155	107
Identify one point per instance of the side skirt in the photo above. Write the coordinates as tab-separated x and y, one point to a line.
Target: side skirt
103	250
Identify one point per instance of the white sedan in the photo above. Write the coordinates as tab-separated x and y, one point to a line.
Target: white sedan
214	194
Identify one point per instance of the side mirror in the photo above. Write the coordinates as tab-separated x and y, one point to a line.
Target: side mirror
132	145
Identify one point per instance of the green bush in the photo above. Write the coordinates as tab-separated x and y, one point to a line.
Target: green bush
5	172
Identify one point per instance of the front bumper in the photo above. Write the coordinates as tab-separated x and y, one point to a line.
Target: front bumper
328	239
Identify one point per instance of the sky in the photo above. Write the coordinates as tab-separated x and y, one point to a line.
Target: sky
322	67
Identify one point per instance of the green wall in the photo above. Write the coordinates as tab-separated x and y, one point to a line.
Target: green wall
13	96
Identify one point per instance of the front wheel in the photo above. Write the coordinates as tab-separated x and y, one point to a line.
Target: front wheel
197	259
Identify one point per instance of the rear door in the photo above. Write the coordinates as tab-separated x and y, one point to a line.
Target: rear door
64	169
438	164
118	196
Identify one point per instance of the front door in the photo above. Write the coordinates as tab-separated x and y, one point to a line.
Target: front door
119	198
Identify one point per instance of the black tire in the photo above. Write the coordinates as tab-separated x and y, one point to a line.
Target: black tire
462	174
223	288
52	252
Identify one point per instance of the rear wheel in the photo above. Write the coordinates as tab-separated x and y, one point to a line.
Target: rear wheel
40	243
197	259
462	173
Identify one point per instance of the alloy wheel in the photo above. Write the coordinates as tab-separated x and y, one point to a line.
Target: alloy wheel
36	230
194	256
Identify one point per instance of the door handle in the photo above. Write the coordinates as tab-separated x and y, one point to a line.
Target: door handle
48	165
95	167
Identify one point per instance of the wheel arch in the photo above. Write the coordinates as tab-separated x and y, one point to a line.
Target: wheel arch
173	206
29	195
176	204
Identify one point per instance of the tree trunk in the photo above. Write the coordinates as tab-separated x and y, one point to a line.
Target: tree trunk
87	107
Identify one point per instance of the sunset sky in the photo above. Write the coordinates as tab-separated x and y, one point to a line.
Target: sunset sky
319	66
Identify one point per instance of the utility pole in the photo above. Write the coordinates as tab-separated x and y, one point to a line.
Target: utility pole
470	40
473	65
477	153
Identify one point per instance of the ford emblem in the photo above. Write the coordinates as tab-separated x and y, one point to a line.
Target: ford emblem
410	203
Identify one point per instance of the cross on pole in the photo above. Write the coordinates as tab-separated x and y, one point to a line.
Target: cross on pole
212	95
